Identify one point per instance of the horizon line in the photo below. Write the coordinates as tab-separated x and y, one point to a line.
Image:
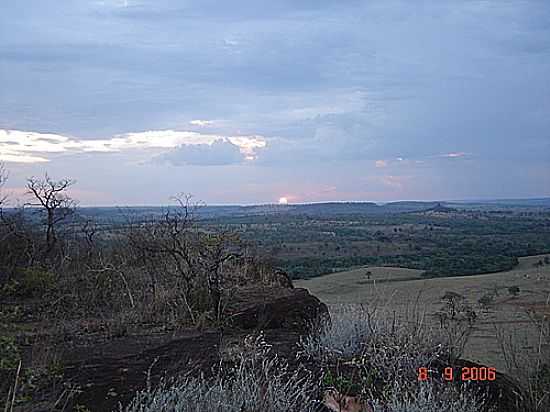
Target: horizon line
466	200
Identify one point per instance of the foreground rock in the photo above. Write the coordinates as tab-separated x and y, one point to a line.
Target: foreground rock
289	309
110	373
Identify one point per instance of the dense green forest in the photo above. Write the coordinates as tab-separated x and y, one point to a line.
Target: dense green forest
461	242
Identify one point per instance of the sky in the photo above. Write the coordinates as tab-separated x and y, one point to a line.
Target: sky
249	101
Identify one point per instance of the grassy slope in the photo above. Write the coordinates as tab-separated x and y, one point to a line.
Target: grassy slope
510	313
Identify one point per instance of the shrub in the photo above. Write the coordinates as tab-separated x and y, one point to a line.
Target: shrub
30	282
9	353
513	290
526	358
430	397
345	335
354	331
382	348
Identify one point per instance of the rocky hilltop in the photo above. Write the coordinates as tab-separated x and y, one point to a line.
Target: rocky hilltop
110	373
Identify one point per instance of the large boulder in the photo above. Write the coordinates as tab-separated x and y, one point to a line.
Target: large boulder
108	373
289	309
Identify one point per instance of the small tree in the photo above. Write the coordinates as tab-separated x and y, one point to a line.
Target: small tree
194	258
215	250
513	290
486	300
454	302
17	240
51	196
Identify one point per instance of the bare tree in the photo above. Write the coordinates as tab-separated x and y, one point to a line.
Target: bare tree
216	250
51	195
486	300
194	258
171	240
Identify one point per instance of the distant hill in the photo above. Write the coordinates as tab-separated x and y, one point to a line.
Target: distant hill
321	209
408	206
535	202
439	208
307	209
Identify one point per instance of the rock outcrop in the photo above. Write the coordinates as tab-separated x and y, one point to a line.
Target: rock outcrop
289	309
111	373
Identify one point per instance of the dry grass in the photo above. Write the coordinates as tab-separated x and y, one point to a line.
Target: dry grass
355	336
433	398
259	382
506	311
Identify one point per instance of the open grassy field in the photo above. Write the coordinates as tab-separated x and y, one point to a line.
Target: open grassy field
398	288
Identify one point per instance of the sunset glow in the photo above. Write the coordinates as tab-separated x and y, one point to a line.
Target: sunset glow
283	201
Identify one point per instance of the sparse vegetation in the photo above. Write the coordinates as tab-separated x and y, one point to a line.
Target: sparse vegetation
75	283
513	290
68	282
530	367
258	382
376	350
376	360
433	398
9	353
486	300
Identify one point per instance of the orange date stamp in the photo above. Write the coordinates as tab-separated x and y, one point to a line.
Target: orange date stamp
463	374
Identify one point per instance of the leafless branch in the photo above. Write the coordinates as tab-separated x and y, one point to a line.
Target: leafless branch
51	195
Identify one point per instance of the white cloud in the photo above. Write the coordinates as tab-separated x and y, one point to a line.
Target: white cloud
31	147
18	158
453	154
201	123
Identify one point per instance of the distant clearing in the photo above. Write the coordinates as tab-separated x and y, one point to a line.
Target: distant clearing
399	288
339	284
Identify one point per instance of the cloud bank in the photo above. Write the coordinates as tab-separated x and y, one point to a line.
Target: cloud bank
446	99
30	147
218	153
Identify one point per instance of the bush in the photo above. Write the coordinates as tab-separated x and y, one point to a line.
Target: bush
9	353
30	282
432	398
353	331
375	354
513	290
345	335
377	348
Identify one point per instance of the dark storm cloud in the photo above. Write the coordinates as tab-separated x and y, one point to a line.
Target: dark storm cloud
216	154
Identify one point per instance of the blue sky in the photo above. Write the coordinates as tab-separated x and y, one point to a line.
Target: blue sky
249	101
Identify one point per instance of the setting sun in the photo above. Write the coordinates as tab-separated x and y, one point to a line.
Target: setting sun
283	201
